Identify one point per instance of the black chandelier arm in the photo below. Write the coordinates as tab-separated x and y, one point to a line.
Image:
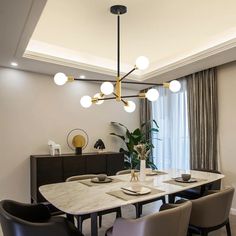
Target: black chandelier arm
122	97
118	45
112	81
128	73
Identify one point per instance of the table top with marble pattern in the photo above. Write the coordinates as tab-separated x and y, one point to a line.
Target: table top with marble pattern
76	198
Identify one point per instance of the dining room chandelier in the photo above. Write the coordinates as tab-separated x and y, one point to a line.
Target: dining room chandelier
114	88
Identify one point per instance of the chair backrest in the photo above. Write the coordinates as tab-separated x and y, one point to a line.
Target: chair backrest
215	185
80	177
13	215
123	172
213	209
170	222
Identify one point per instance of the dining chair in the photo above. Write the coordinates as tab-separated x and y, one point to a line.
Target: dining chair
139	205
194	193
19	219
81	218
210	212
171	220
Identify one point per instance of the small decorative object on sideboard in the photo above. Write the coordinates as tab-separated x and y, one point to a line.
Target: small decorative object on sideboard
77	139
99	145
54	148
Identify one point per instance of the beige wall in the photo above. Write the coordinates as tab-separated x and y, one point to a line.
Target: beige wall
33	110
227	123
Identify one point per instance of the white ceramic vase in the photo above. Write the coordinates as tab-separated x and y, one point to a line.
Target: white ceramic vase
142	173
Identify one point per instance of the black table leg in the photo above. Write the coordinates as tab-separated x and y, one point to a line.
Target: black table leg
94	224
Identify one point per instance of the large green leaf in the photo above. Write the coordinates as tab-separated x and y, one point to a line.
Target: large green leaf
117	135
155	123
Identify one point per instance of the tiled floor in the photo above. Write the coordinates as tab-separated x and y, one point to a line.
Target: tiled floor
129	212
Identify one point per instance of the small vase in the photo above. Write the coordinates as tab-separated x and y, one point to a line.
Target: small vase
142	173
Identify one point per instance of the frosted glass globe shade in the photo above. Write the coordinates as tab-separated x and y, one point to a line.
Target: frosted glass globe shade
130	107
86	101
175	86
152	95
142	63
60	78
107	88
99	102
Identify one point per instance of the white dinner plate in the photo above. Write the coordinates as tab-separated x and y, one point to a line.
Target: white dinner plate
136	190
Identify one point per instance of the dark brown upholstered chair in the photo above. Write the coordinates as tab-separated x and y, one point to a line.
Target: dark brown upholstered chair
18	219
197	192
172	220
211	212
81	218
139	205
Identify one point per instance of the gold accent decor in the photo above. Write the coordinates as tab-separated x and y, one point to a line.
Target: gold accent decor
142	95
78	141
70	78
94	100
118	89
134	176
166	85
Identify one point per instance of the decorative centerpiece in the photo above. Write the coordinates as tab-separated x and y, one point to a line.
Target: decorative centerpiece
77	139
99	145
143	150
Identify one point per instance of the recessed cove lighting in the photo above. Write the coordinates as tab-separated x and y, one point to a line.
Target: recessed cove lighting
14	64
82	76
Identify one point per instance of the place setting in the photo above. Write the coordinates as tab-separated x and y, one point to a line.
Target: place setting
133	191
98	180
183	180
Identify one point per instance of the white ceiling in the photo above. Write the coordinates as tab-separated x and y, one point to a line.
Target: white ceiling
79	36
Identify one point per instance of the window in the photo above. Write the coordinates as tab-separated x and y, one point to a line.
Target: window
171	144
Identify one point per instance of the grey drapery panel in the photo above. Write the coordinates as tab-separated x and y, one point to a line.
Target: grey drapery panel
203	119
145	114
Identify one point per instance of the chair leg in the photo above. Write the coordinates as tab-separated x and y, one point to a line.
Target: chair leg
118	213
204	233
100	221
70	218
228	229
80	223
163	200
171	198
138	210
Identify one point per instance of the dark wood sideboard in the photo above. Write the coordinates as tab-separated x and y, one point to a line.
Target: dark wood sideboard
46	169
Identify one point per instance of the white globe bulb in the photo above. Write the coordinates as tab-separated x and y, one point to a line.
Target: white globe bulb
60	78
107	88
130	107
152	95
99	102
175	86
142	63
86	101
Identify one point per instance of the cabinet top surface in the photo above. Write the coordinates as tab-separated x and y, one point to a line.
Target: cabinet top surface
75	155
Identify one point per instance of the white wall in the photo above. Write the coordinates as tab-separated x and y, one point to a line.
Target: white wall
227	123
33	110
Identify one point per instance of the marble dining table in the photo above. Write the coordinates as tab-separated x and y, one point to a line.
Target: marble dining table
78	198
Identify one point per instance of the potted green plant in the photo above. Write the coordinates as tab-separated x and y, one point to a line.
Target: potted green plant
132	139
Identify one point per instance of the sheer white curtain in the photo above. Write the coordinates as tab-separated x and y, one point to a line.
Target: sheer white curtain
171	144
